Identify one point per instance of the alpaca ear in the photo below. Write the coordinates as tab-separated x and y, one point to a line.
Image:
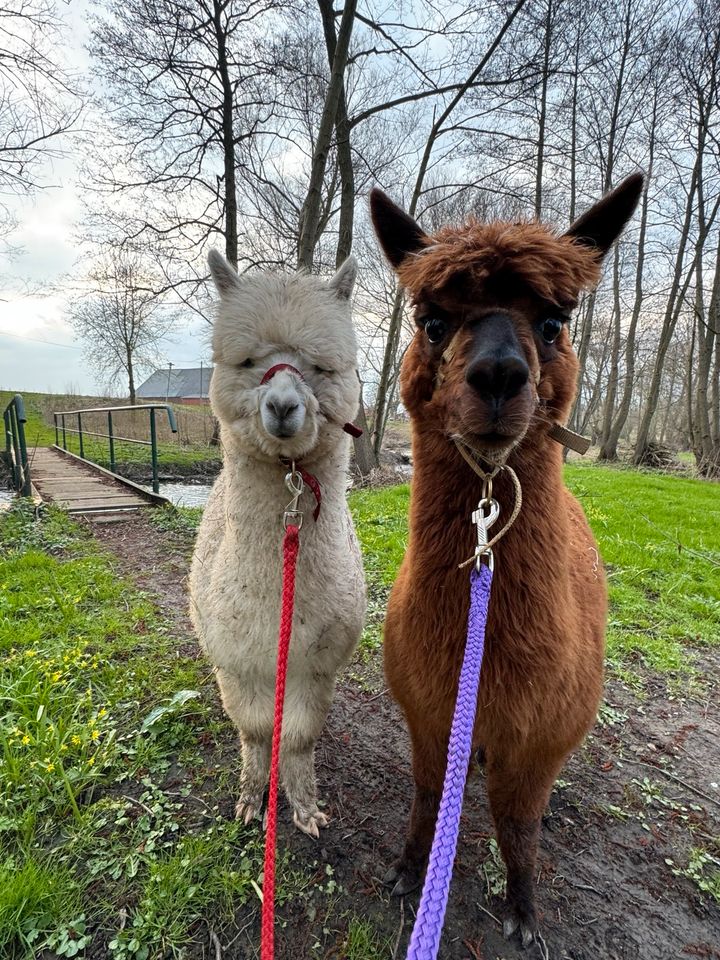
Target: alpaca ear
396	230
603	223
225	276
344	280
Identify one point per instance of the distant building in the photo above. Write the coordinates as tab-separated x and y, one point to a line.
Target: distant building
182	386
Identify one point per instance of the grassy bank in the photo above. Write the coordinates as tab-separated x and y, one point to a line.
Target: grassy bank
103	743
659	537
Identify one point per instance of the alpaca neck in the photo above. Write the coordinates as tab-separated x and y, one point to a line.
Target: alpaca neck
445	491
264	480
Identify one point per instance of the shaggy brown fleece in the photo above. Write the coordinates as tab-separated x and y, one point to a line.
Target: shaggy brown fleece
554	267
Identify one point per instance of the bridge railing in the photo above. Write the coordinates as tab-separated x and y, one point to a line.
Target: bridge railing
62	430
15	445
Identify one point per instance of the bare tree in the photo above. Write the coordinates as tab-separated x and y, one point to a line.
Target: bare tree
120	319
39	101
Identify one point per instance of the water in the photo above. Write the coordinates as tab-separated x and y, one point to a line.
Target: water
186	494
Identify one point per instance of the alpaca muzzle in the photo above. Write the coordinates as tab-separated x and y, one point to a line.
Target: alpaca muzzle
348	427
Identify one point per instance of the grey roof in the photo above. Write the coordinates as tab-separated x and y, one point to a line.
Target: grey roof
177	383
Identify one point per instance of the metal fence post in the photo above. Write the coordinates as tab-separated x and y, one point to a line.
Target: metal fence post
62	416
153	448
80	436
57	437
111	440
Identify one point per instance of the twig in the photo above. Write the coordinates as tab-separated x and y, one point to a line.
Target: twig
377	695
216	943
139	803
400	929
542	946
584	886
681	545
491	915
671	776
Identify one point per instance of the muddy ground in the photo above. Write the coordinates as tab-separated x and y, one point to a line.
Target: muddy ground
606	890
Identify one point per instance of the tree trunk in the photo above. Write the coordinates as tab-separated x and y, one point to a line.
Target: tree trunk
228	137
614	371
669	319
131	376
706	452
365	458
609	448
543	111
344	153
310	214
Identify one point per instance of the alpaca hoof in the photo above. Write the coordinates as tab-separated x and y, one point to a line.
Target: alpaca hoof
311	823
402	878
526	926
247	809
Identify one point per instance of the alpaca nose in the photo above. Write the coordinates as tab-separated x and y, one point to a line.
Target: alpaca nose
282	409
497	379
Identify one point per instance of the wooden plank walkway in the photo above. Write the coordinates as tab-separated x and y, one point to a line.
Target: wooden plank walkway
82	488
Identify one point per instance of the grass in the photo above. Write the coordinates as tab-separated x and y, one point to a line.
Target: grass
103	733
659	536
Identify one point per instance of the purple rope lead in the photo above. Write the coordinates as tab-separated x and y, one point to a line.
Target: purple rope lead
425	940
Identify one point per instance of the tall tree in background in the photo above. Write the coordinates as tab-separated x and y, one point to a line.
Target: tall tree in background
119	318
184	90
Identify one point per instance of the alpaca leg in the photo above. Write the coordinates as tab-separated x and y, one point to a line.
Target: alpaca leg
254	724
429	754
518	793
298	775
307	703
253	779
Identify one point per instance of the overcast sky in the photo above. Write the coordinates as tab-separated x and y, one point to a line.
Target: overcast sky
38	349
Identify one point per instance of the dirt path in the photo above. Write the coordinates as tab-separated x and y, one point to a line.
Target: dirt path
616	839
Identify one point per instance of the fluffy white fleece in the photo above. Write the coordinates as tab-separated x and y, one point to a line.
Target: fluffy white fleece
235	579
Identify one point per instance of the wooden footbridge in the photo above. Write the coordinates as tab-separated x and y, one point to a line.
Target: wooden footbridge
56	475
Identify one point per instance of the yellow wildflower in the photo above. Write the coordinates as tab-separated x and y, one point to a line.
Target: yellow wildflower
102	713
95	733
25	740
91	761
31	653
49	767
63	748
75	740
56	676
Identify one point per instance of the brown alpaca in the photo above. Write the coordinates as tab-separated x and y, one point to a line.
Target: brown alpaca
491	362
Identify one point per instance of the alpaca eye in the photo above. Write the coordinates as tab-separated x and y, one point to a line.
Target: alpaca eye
247	363
435	329
328	373
550	329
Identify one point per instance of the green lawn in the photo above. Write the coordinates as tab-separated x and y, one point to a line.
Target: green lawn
98	708
109	730
659	536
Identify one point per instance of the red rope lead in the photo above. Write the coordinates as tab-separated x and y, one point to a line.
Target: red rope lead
291	546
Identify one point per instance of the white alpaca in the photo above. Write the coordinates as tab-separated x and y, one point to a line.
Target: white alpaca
235	580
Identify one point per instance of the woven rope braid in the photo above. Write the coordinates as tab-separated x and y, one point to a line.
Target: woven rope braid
425	940
291	545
